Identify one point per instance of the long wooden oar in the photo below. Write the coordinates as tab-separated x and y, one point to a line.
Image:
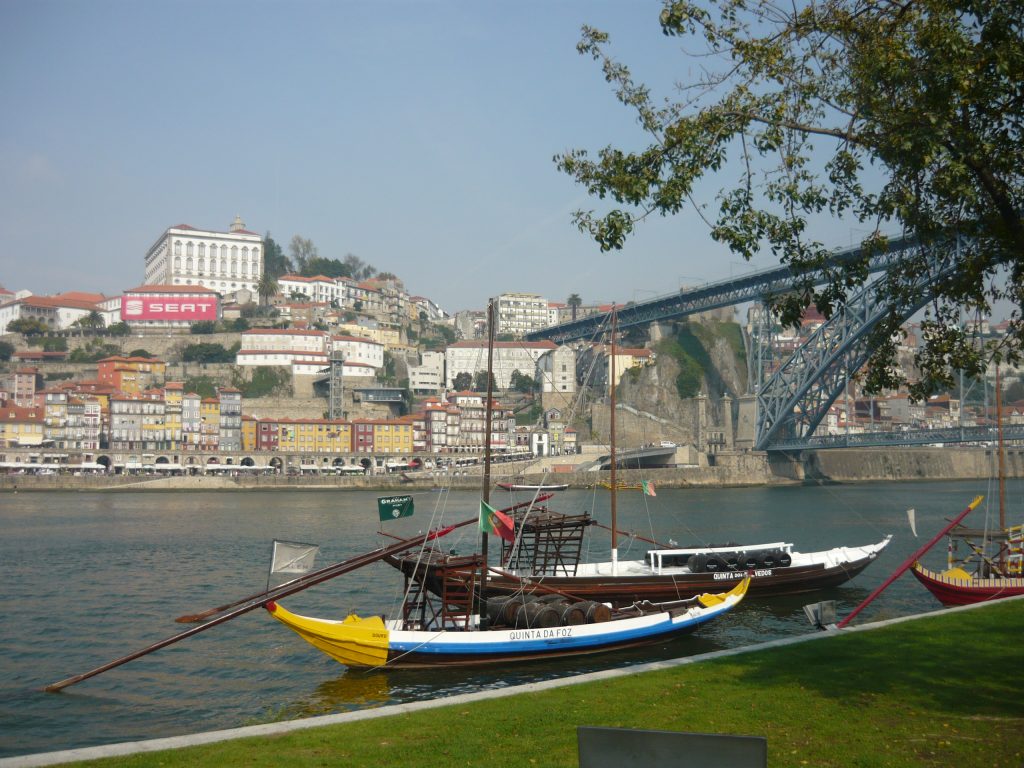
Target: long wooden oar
257	601
909	562
192	618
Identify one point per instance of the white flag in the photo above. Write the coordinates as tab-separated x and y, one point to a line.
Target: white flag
910	517
293	557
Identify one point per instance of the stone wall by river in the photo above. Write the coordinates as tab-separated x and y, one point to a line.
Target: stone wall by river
727	470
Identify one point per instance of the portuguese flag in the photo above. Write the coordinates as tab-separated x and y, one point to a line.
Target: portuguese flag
496	523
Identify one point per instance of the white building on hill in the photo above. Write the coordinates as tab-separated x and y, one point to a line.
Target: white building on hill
223	261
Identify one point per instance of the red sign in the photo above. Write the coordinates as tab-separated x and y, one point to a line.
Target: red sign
188	308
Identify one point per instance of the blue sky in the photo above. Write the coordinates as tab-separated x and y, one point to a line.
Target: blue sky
418	136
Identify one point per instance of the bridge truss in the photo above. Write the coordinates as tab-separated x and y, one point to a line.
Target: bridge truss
796	397
793	398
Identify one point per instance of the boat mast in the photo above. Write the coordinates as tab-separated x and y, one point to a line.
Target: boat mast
485	492
611	429
1002	468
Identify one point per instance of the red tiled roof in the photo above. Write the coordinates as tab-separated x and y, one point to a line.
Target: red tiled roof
95	298
161	288
281	332
56	301
356	338
477	344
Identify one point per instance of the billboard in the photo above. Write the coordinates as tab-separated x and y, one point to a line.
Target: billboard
169	308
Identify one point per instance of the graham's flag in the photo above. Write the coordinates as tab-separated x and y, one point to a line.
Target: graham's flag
393	507
292	557
648	488
496	523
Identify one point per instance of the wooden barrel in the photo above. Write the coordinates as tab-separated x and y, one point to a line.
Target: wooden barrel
537	615
572	614
502	610
596	613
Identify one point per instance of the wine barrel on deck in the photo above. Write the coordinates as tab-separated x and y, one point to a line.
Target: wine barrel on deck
595	612
537	615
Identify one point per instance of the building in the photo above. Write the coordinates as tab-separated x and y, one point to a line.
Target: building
520	313
356	350
162	306
137	423
22	387
173	394
21	427
556	370
191	422
225	262
319	289
594	364
509	356
130	374
230	433
427	378
57	313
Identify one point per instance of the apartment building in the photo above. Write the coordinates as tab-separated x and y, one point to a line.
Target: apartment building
520	313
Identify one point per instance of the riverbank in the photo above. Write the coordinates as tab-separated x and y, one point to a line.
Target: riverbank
900	693
725	470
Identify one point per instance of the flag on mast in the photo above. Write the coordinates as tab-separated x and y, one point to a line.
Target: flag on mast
293	557
496	523
648	487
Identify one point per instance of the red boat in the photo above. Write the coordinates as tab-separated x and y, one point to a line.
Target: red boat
958	587
991	562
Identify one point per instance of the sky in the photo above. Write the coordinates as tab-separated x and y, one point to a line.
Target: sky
418	136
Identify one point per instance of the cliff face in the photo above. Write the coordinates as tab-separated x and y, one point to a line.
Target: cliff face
699	358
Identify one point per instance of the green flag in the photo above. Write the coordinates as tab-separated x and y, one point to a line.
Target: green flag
392	507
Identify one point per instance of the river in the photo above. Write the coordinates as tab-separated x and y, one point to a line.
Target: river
90	577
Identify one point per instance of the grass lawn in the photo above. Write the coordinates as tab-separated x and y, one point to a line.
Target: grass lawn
942	691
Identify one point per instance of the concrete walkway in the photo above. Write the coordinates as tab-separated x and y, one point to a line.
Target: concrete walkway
273	729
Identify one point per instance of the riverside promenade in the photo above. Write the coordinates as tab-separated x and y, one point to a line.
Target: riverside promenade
728	470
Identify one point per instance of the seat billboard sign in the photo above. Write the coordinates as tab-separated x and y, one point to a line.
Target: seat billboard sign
189	308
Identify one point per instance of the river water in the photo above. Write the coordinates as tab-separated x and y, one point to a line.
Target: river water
90	577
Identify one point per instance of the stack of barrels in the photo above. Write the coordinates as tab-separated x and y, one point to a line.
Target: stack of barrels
544	611
739	561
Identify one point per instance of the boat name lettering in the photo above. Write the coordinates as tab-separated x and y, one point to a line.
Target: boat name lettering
540	634
725	575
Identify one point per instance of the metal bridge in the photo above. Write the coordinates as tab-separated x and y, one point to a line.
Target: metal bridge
794	397
756	286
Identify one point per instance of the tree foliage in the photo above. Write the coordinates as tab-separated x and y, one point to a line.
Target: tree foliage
902	116
575	302
275	263
480	379
462	381
209	353
6	350
203	327
522	382
267	380
358	269
327	267
92	351
27	326
302	251
204	386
